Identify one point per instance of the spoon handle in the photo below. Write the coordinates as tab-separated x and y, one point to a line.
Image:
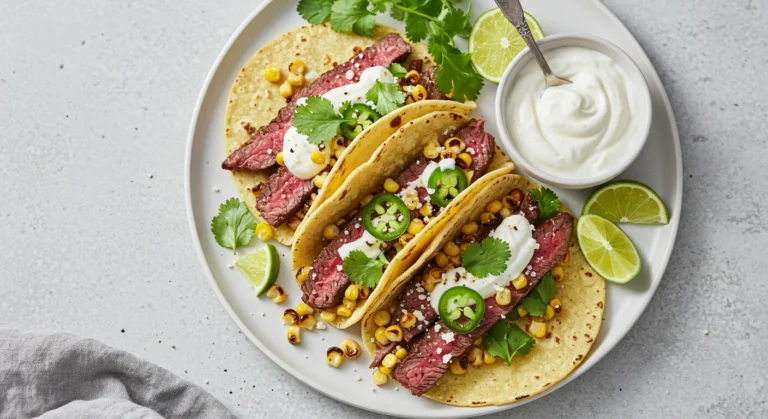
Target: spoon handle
514	13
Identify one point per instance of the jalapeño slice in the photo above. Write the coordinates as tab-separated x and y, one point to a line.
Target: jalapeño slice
362	116
386	217
447	185
461	309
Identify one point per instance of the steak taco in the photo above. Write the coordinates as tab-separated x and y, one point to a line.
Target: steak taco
377	223
292	141
500	306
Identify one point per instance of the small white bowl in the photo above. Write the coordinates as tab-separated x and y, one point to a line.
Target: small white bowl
585	41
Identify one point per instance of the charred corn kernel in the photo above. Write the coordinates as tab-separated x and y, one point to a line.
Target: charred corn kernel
469	228
394	333
478	342
475	356
264	232
350	304
566	258
555	304
558	273
430	151
505	212
307	321
451	249
401	353
521	311
363	292
366	200
418	93
409	100
343	311
488	359
276	293
404	239
447	154
295	80
389	361
412	78
455	144
503	297
469	173
334	356
332	162
286	90
407	320
487	218
280	159
320	179
294	335
381	336
442	260
494	207
391	186
290	317
549	313
328	316
398	247
455	260
432	278
464	160
302	274
429	286
520	282
415	226
317	157
459	365
339	151
272	74
330	231
379	378
297	67
537	329
352	292
385	370
426	210
303	308
351	348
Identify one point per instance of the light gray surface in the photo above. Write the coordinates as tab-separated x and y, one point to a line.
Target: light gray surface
96	96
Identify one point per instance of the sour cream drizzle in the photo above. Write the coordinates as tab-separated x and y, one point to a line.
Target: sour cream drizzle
367	244
296	149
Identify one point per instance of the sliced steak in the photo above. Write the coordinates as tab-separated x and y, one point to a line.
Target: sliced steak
430	356
480	145
428	81
255	153
283	195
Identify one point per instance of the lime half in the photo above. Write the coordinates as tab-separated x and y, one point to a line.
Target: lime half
494	42
627	202
608	249
260	267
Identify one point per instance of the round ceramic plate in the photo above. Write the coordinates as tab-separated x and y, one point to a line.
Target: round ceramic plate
659	166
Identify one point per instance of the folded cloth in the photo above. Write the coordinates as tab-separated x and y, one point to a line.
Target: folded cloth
59	375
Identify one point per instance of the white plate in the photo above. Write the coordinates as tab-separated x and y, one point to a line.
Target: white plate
659	166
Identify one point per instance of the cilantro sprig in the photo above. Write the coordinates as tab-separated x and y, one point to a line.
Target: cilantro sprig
536	302
386	97
363	270
234	226
318	120
439	21
488	257
549	203
506	340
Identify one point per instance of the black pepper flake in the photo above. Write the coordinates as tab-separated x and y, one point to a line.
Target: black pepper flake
122	330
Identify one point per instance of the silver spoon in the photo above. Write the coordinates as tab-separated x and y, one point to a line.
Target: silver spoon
514	13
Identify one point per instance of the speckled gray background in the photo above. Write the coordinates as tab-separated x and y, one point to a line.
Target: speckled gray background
96	95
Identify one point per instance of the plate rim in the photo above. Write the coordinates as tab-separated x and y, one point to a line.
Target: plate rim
459	411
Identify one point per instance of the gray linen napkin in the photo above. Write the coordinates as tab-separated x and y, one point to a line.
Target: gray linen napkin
59	375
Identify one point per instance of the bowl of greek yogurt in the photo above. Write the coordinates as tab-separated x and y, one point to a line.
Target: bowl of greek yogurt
581	134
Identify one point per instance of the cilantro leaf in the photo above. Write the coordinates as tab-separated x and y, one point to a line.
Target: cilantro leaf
488	257
398	70
519	342
534	306
317	120
545	289
457	74
549	203
381	6
234	225
346	16
415	27
387	97
363	270
454	22
365	26
506	340
315	11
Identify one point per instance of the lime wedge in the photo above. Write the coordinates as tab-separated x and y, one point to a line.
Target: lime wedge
627	202
608	249
260	267
494	42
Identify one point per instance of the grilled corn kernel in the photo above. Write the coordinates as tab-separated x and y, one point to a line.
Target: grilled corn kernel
415	226
290	316
404	239
379	378
286	90
401	353
459	365
334	356
366	200
418	93
391	309
538	329
389	361
302	274
451	249
351	348
549	313
430	151
391	186
382	318
469	228
295	80
330	231
566	258
303	308
505	212
475	357
487	218
407	320
558	273
352	292
520	282
447	154
503	297
426	210
469	173
307	321
488	359
328	316
478	341
317	157
363	292
412	78
429	286
276	293
341	221
297	67
339	151
464	160
381	336
385	370
350	304
494	207
409	100
455	144
442	260
320	179
280	159
264	232
455	260
555	304
521	311
294	335
394	333
432	278
272	74
343	311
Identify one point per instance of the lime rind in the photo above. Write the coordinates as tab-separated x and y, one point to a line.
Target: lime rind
627	201
607	249
260	268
